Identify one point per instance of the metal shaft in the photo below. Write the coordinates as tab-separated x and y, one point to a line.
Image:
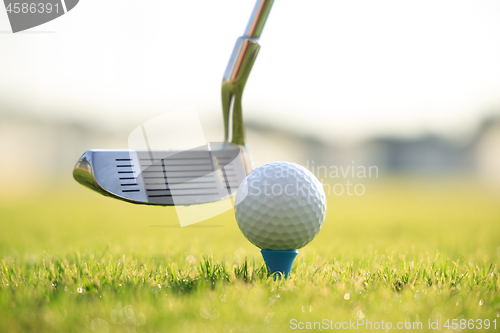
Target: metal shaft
258	18
237	71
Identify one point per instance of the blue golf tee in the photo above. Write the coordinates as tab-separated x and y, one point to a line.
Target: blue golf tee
279	261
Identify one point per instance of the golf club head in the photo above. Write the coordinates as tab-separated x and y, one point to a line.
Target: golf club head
165	178
202	175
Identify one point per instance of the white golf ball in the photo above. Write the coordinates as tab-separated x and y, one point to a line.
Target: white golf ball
280	206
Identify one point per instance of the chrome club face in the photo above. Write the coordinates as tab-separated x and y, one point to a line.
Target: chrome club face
164	178
185	177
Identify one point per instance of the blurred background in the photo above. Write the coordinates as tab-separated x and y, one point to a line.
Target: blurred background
409	87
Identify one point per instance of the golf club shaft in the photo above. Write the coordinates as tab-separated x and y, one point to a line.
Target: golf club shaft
258	19
237	71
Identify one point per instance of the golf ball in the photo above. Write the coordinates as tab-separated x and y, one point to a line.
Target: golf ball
280	206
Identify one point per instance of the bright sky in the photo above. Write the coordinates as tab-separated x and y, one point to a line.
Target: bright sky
341	69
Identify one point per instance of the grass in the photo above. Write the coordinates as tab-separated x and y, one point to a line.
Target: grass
406	251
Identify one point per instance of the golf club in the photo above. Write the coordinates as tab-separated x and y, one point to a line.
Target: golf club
185	177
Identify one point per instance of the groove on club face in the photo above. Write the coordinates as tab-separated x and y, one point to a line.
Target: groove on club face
164	178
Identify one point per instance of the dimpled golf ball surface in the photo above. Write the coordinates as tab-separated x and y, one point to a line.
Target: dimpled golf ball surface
280	206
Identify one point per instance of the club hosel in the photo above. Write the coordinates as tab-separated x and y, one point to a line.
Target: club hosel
242	59
235	77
